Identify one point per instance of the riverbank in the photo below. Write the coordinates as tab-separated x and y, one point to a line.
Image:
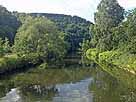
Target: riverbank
122	60
15	62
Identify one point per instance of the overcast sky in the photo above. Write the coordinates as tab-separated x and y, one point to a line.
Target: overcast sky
82	8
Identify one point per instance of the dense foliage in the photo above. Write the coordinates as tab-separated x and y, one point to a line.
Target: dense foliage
8	24
109	14
75	28
40	35
50	36
13	62
4	47
114	38
55	36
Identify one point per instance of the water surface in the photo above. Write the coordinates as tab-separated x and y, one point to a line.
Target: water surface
67	85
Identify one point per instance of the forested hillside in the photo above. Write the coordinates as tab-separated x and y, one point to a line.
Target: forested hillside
75	28
30	39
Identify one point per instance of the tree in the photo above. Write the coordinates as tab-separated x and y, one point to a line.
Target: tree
8	24
75	28
85	45
129	27
124	36
40	35
4	47
109	15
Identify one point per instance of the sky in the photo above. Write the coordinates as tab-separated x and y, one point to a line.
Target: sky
82	8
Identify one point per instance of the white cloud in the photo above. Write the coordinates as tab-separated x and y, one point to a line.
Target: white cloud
83	8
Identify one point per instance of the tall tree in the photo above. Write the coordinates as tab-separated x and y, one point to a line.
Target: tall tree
8	24
109	15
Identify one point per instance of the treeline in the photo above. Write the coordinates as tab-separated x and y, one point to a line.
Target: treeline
27	38
114	36
75	28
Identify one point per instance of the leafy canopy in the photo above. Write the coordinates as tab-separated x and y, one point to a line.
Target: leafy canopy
40	35
109	15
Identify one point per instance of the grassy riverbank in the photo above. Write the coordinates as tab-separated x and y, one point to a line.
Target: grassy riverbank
123	60
15	62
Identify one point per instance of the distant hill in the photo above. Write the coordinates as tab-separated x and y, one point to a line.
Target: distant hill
61	17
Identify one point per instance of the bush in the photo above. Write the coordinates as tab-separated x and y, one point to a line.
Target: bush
92	54
13	62
109	55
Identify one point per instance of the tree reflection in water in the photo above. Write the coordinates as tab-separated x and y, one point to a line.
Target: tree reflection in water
69	85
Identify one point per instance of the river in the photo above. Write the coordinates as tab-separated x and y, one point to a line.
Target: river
66	85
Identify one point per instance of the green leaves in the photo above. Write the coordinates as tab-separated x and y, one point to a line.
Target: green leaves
124	35
108	16
75	28
8	24
114	39
40	35
4	47
92	54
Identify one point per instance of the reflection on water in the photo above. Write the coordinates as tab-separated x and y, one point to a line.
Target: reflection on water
12	96
74	92
67	85
71	92
107	88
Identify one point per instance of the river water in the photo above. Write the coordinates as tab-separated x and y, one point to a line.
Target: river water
66	85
